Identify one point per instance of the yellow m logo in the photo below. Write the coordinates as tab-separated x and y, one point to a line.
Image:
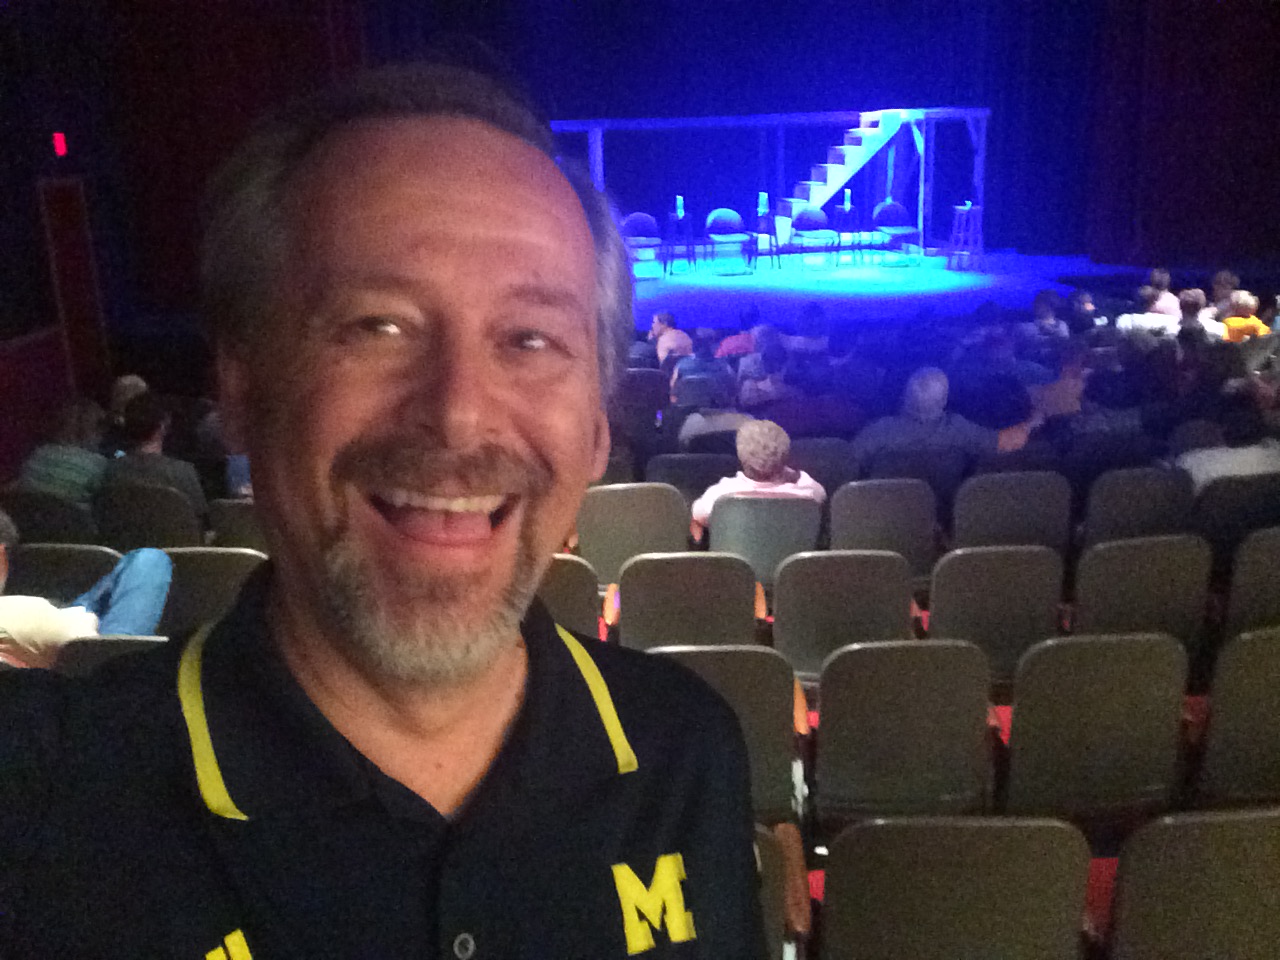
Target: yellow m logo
645	909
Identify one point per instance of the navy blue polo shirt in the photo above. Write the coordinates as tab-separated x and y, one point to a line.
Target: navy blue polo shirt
193	803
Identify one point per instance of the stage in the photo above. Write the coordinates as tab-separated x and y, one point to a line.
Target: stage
716	293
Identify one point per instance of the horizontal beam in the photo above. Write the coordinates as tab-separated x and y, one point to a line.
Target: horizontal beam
763	120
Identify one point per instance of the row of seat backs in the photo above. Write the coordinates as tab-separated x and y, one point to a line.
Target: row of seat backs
1188	886
206	580
1095	731
1003	598
130	515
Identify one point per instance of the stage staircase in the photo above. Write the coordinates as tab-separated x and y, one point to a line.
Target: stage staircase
874	131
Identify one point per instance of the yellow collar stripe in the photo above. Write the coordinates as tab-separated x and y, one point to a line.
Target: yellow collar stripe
208	776
604	702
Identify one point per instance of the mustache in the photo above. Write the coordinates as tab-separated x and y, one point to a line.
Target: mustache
413	463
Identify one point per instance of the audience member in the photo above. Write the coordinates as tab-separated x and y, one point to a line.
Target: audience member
771	386
743	342
144	428
1240	321
703	363
751	367
1045	321
668	338
763	448
128	600
1082	313
123	390
1191	305
812	331
1241	450
1148	318
1224	283
1063	396
1166	301
70	465
924	424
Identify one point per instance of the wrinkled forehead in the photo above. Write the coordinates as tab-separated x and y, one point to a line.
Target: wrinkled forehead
451	175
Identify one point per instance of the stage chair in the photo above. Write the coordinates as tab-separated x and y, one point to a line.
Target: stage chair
1254	601
1095	728
893	221
1145	585
904	731
773	904
764	530
1089	456
1198	885
758	684
640	233
824	600
811	233
133	515
1137	502
677	599
1003	599
571	592
939	888
80	658
1012	509
618	522
724	227
1241	761
895	515
47	518
206	582
59	572
690	473
235	524
723	443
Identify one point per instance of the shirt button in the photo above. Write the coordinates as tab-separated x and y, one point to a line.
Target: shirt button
464	946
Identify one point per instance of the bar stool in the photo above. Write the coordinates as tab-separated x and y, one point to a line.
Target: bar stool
678	236
767	227
844	220
965	249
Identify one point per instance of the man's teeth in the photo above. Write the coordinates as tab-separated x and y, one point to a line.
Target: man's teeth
421	501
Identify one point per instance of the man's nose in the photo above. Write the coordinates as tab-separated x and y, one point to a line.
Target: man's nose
453	392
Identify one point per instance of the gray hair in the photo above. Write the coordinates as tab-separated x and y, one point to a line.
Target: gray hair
245	231
763	448
1242	303
925	395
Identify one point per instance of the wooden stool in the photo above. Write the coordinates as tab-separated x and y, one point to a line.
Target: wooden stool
965	249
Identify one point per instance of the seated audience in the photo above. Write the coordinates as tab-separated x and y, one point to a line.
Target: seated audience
668	339
1224	283
128	600
1240	450
743	342
1240	321
123	390
1166	300
1148	318
925	424
751	367
1062	397
703	363
1045	321
763	448
1082	313
1192	303
70	465
771	386
144	428
812	331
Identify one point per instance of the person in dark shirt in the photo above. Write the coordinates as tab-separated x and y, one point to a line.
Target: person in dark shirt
145	424
388	748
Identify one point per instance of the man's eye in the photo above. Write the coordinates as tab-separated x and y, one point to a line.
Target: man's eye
384	326
531	341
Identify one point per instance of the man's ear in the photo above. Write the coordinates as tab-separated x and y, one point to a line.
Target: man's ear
234	379
601	441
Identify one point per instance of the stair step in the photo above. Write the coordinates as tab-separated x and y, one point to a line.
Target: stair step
828	172
853	138
843	155
807	189
790	206
866	121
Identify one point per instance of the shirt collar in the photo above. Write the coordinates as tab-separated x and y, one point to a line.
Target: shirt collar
261	747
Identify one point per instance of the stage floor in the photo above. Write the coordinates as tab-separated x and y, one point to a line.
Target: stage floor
862	293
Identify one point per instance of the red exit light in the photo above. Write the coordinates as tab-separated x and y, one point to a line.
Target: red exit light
59	144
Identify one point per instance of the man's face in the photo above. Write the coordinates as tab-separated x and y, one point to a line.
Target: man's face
656	328
424	412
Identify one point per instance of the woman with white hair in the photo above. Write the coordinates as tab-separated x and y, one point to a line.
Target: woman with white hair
763	448
1241	321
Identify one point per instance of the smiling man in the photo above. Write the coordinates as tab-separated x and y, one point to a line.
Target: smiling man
388	749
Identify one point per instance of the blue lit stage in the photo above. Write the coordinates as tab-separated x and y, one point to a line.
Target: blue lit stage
857	294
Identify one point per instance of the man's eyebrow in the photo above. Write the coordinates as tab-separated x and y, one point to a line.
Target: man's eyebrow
544	295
